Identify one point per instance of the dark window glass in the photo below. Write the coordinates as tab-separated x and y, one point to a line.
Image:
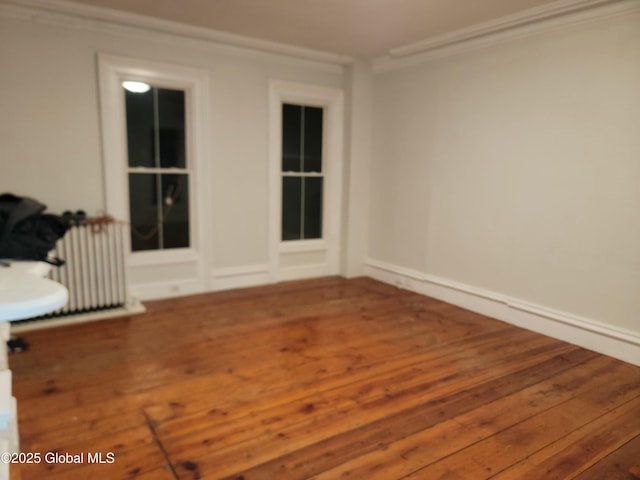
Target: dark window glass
140	128
156	128
302	193
175	196
159	211
291	138
143	211
312	139
171	128
158	202
291	208
312	207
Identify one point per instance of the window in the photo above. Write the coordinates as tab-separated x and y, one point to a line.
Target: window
305	180
302	173
155	143
157	169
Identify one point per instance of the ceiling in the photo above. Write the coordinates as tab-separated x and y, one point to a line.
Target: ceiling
357	28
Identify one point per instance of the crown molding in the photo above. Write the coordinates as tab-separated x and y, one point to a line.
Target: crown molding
532	15
559	14
105	19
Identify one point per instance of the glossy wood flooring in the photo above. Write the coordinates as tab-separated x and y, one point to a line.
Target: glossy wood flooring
321	379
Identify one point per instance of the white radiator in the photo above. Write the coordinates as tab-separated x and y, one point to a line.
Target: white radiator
94	269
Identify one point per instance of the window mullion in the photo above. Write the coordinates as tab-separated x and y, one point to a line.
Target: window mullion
293	174
302	182
156	142
169	170
156	129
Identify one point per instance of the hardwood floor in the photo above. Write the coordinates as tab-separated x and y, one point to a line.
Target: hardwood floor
321	379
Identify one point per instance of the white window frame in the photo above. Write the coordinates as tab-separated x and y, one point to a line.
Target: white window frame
112	70
331	100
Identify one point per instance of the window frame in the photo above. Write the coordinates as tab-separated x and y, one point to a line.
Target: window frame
331	100
112	70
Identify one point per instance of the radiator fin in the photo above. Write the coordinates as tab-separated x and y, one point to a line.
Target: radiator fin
94	268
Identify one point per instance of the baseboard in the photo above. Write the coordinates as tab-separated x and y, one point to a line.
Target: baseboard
228	278
239	277
612	341
166	289
302	272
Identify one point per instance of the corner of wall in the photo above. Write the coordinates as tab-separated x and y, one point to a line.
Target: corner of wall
359	132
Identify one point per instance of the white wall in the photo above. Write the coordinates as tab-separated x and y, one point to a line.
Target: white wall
514	169
51	135
49	129
359	113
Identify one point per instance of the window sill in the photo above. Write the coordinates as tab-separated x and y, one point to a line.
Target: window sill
157	257
315	245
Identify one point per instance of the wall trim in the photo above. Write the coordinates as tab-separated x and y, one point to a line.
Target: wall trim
239	277
166	289
616	342
301	272
557	15
105	19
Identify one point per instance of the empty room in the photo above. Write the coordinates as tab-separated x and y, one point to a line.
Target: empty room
338	239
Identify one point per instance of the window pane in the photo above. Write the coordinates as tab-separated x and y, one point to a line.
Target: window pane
143	211
151	196
158	203
313	207
313	139
140	128
175	196
171	128
291	208
291	137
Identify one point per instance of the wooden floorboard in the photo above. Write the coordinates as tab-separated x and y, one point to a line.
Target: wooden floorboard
321	379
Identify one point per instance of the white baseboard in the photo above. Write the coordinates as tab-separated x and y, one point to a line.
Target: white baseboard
166	289
302	272
239	277
227	278
616	342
